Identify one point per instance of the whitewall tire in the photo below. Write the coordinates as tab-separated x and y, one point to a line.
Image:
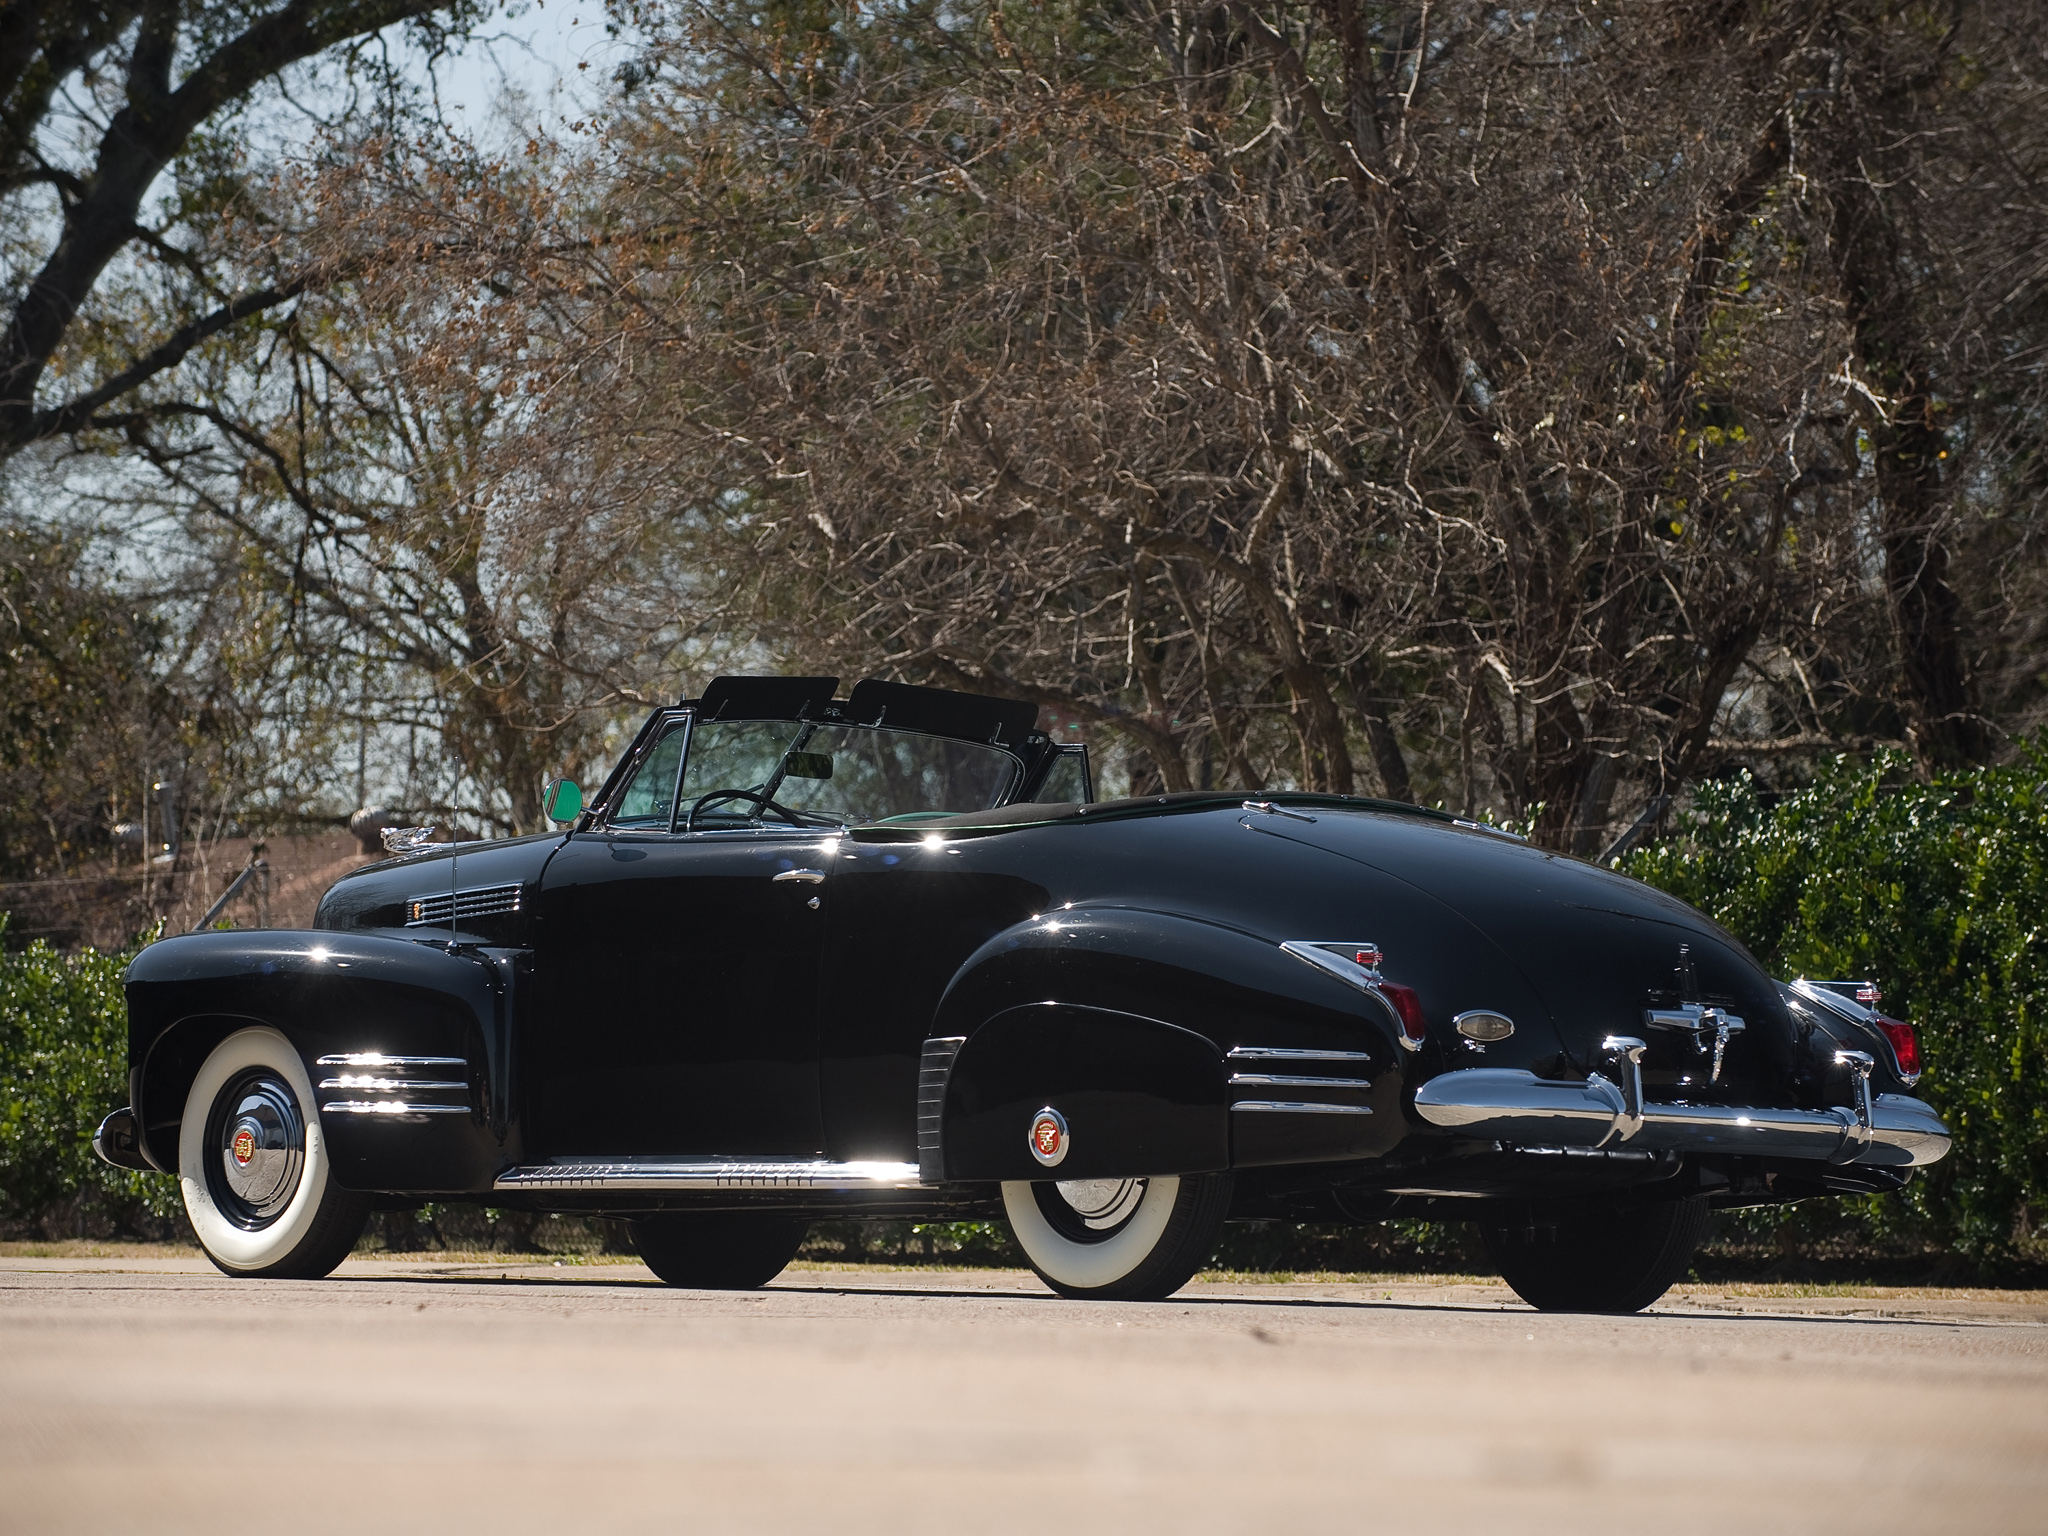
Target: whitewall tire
1118	1239
253	1164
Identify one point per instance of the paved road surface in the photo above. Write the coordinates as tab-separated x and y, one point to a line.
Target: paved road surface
156	1397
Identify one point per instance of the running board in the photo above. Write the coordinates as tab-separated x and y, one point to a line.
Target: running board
707	1173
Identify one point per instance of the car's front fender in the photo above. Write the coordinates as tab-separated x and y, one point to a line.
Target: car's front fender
375	1020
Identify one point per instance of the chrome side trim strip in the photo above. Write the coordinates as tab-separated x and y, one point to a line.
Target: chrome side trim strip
378	1059
390	1107
391	1084
1517	1107
1288	1080
934	1069
1291	1053
1295	1107
708	1173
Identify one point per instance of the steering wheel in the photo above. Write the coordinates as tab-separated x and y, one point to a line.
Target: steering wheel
763	801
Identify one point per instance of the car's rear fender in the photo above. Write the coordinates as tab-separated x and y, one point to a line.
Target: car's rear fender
1228	985
375	1020
1079	1009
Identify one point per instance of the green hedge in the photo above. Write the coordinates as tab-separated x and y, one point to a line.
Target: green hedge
63	1059
1939	891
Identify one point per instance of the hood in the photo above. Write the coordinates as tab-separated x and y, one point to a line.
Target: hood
492	885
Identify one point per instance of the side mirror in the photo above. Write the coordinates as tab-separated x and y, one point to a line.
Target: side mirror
561	801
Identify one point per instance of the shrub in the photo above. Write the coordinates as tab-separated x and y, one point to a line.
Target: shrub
63	1053
1939	891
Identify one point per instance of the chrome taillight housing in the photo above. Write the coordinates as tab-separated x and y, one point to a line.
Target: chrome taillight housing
1356	962
1409	1006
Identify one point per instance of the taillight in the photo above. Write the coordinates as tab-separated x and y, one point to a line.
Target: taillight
1905	1045
1409	1007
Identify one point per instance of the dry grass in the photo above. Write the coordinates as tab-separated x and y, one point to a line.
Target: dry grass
1848	1290
93	1248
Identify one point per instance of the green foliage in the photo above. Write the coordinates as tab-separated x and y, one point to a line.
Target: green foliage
63	1055
1939	891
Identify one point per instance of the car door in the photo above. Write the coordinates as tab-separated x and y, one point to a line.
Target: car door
678	976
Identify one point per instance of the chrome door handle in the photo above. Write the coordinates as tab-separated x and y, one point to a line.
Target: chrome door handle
806	876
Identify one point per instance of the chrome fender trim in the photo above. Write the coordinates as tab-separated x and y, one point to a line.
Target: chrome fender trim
1517	1107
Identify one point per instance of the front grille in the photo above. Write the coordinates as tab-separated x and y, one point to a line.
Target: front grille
460	906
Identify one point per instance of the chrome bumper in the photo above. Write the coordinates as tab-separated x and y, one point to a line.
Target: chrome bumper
1521	1109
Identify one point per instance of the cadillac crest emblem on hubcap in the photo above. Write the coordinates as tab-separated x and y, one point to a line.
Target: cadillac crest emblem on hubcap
1049	1136
244	1146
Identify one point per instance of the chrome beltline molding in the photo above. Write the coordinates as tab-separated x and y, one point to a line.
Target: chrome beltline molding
1517	1107
707	1173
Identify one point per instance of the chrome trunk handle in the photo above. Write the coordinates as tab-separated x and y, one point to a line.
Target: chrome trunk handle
804	876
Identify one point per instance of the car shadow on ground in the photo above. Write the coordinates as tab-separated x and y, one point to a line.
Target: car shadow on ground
1269	1304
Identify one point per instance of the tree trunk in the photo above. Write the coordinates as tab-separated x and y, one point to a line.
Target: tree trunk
1908	452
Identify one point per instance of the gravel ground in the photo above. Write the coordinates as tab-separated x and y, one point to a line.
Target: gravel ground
415	1395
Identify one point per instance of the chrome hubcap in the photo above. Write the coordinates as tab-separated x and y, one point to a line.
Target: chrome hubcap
1102	1203
262	1148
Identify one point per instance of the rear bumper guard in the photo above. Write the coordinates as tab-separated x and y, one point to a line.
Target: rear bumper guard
1520	1109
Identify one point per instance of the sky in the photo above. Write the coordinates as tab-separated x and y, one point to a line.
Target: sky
532	49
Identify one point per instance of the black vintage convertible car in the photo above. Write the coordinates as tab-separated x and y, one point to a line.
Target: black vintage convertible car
804	956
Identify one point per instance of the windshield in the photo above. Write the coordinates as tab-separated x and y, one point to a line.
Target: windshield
789	771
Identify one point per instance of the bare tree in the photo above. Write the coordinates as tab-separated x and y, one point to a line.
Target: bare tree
98	98
1529	412
1290	390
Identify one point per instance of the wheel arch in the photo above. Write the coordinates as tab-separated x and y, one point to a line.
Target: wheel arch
159	1086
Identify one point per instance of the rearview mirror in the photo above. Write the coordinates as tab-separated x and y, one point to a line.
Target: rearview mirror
808	765
561	801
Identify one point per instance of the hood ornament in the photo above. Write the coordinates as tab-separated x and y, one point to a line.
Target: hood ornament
407	839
